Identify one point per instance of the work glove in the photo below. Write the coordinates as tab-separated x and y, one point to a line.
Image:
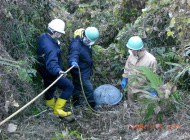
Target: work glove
124	82
187	50
76	64
62	72
153	91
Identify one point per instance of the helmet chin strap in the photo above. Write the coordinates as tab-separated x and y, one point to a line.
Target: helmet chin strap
86	42
50	31
82	34
91	43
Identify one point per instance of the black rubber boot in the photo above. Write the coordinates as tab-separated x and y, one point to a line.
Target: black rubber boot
77	103
93	106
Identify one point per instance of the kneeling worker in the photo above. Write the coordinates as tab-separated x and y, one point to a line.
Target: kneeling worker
138	57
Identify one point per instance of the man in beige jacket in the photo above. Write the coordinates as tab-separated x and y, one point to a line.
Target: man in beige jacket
138	57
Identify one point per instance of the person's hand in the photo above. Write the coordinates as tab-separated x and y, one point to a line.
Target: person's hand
62	72
75	63
124	82
187	50
153	92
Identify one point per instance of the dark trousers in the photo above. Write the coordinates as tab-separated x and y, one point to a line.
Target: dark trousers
63	84
88	89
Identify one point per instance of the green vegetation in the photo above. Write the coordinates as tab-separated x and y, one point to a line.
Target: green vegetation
167	100
65	135
25	70
164	28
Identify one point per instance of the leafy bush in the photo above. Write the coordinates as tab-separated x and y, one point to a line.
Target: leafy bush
67	135
180	72
165	102
25	70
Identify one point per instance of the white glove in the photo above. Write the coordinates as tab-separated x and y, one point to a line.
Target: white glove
187	50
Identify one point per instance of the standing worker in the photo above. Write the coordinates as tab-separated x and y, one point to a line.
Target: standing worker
80	55
50	66
138	57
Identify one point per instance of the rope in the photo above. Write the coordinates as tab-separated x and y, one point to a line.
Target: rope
98	112
8	118
34	98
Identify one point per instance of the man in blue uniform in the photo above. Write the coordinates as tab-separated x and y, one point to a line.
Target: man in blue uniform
50	66
80	55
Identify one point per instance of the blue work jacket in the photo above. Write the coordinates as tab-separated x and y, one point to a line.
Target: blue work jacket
82	54
49	56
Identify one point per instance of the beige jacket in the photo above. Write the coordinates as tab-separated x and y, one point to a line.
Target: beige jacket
146	59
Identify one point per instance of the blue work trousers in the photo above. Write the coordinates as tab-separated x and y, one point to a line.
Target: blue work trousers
63	84
88	89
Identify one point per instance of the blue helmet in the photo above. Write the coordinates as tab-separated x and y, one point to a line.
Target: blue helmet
107	94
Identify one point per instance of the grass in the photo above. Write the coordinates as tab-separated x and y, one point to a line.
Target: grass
109	126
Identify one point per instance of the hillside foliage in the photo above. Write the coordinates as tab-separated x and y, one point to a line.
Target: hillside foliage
164	27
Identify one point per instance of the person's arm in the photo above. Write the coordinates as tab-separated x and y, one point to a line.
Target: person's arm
73	54
154	65
51	61
126	69
125	75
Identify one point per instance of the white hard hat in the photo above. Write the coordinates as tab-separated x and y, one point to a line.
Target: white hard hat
57	25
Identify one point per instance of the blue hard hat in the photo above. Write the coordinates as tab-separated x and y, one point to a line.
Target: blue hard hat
107	94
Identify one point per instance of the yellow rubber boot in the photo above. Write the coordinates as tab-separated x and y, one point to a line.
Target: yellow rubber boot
51	103
58	108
